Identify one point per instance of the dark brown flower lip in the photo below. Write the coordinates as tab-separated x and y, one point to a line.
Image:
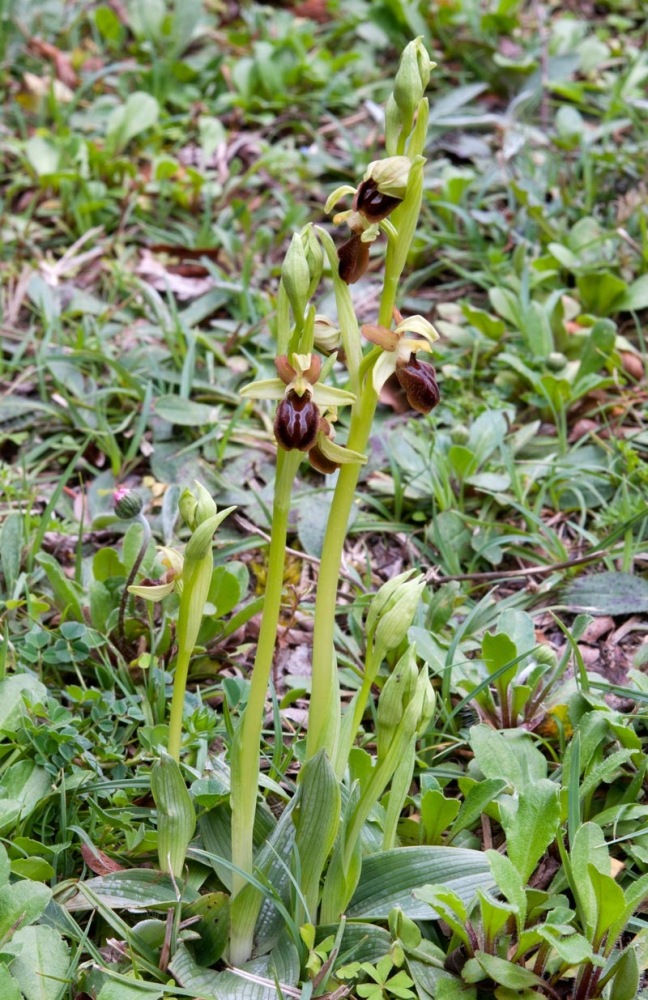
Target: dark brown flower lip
418	379
296	422
372	203
354	259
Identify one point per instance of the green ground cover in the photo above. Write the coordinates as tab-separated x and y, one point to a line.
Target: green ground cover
476	826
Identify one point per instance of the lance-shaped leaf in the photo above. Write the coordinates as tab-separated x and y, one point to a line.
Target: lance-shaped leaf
176	814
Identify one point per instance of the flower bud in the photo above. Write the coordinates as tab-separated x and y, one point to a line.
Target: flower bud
390	175
354	259
196	507
395	621
384	599
397	692
418	379
314	257
427	696
296	422
555	361
187	505
126	503
411	80
205	508
295	274
327	337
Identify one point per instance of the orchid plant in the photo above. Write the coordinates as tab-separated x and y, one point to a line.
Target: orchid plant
311	348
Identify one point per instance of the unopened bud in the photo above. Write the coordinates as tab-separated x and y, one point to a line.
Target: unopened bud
404	929
397	692
427	697
205	508
411	80
555	361
327	336
390	175
385	597
187	505
126	503
314	258
395	621
295	274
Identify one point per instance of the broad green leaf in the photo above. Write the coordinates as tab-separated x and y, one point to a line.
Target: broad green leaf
106	564
437	813
447	906
9	989
532	826
43	963
479	796
114	990
597	348
610	903
635	297
511	756
139	113
11	542
186	413
509	882
536	328
497	651
132	889
281	964
515	977
389	879
176	815
608	593
625	985
572	948
66	592
600	291
227	588
13	691
494	914
589	847
316	818
213	926
22	903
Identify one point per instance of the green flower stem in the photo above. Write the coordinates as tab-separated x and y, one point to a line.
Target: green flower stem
324	711
245	787
196	581
146	538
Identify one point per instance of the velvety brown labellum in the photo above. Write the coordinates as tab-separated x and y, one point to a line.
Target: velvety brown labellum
320	462
418	379
371	203
354	260
296	422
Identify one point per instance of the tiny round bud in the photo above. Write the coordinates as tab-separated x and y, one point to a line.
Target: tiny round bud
126	503
460	434
418	379
555	361
296	422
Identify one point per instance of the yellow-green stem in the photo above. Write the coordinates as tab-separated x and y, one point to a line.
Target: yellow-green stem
177	702
245	788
